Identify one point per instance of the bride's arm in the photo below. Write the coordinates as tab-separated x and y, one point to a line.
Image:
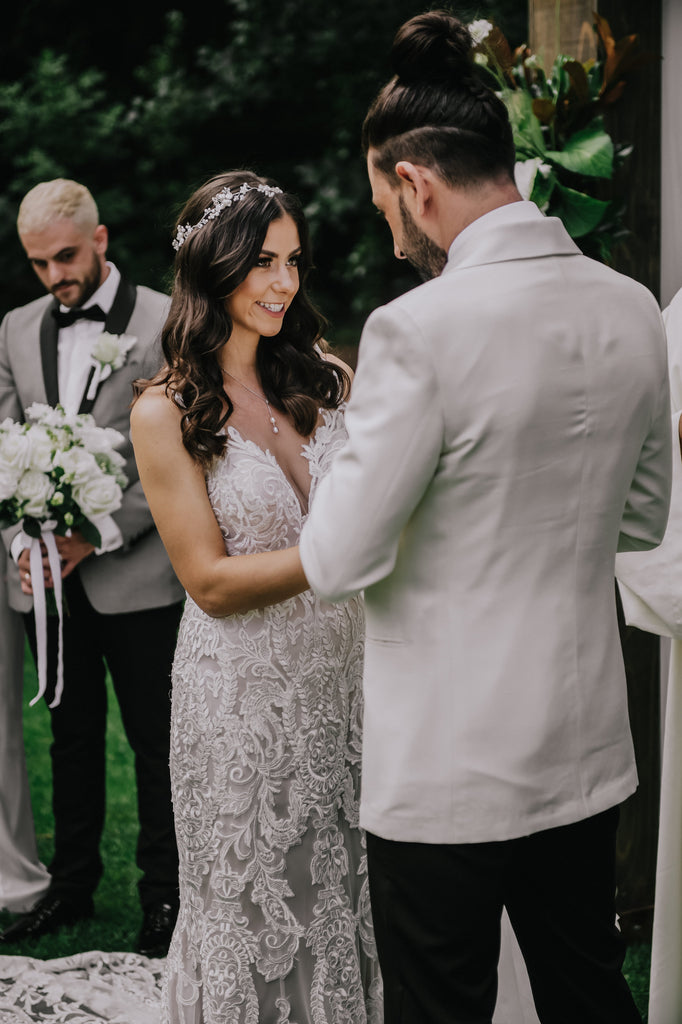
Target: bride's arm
175	488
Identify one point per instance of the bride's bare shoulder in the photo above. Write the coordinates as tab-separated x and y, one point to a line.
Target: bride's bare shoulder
155	407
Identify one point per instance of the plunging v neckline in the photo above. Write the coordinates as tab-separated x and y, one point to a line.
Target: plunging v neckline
272	459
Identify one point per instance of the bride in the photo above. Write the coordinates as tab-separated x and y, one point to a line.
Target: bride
231	440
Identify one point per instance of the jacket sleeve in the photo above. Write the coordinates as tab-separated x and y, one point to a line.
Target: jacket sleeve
646	510
395	437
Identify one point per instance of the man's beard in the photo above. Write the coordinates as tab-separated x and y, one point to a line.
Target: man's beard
427	258
87	286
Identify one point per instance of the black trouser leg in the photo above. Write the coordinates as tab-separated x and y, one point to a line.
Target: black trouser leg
139	649
437	921
560	896
436	912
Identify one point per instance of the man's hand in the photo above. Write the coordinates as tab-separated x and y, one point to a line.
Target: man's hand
72	551
24	563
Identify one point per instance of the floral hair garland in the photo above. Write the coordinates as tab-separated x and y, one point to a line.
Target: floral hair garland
221	200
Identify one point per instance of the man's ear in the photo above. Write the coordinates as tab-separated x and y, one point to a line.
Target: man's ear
416	183
101	238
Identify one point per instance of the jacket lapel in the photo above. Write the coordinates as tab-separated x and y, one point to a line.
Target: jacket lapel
122	308
48	354
117	320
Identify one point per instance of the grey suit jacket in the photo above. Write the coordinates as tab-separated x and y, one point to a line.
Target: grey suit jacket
138	575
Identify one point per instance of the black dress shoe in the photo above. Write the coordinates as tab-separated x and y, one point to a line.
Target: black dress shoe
157	929
48	915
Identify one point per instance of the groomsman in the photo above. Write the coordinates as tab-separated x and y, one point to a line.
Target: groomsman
508	432
124	601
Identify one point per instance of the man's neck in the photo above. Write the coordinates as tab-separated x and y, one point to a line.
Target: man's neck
466	206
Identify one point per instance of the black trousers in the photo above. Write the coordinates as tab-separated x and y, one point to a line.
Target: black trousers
138	649
437	911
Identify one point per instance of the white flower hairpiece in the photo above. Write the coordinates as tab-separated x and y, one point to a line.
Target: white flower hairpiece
226	197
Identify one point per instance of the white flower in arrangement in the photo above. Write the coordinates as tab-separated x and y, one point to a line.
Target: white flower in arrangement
112	463
8	483
41	448
34	490
15	449
480	58
111	350
79	465
480	30
48	416
98	496
96	439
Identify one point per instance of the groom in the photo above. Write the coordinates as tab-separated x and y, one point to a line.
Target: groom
123	600
508	432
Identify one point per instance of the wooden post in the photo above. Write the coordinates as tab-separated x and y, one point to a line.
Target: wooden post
561	26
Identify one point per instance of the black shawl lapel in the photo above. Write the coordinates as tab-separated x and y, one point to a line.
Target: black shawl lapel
48	354
117	320
122	308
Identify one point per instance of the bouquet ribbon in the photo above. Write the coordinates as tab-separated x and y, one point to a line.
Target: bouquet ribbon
40	611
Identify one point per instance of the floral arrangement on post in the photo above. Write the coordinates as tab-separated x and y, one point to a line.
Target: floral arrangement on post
57	473
565	158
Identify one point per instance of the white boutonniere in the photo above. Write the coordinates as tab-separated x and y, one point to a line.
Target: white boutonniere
108	353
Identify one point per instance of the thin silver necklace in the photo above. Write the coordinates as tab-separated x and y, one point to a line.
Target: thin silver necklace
275	428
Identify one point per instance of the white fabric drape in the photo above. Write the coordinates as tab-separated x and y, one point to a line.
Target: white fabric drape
651	590
671	152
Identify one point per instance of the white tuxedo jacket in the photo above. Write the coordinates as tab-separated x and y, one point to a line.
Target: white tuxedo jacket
508	432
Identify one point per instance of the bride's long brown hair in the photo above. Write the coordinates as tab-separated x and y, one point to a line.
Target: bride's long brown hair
211	263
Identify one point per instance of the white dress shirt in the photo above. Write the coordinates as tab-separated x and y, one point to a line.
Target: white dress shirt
75	344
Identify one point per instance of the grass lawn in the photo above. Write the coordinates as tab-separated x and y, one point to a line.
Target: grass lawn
118	915
117	911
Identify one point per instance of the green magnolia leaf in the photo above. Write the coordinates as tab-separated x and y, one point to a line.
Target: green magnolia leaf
588	152
580	213
90	533
525	125
542	189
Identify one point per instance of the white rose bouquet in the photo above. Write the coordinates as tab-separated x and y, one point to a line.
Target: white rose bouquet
58	473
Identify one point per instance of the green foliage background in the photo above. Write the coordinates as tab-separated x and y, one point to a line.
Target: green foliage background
144	103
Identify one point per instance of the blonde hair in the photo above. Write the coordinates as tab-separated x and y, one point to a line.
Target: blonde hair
60	199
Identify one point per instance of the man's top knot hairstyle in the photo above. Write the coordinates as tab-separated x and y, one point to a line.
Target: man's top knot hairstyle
436	110
432	47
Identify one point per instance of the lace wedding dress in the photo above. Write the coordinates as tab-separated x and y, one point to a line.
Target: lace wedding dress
274	922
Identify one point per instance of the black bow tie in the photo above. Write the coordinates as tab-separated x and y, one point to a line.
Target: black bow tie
70	317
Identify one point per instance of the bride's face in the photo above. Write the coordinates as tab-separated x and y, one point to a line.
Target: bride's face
257	307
